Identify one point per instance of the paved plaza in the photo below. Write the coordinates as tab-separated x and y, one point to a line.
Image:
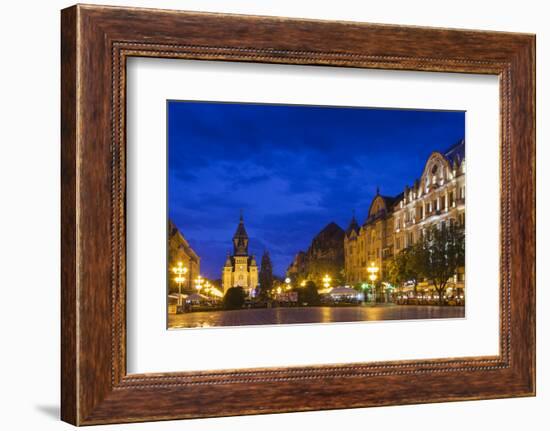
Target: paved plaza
274	316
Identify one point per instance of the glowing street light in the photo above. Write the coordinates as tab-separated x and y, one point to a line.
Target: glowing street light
326	281
180	271
216	292
198	283
373	272
373	275
303	283
287	281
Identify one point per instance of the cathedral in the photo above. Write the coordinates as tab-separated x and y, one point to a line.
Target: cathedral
240	268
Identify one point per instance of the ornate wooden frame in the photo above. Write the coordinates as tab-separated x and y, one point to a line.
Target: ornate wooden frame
95	42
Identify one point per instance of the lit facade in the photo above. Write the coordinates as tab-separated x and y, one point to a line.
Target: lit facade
179	250
240	269
372	243
395	223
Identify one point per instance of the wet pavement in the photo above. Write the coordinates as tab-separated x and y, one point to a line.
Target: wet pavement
285	316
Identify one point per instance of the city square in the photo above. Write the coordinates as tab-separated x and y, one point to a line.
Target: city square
404	259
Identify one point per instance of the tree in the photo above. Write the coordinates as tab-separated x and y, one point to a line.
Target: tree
311	295
406	266
440	253
266	275
308	294
234	298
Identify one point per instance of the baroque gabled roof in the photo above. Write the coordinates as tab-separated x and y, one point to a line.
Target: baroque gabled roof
391	200
455	152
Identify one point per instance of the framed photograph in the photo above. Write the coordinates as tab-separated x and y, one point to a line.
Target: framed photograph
330	214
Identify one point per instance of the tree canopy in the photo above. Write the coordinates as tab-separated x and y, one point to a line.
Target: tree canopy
441	252
406	265
308	294
436	256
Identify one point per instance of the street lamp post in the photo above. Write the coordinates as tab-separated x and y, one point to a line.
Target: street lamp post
365	288
373	275
207	287
198	283
326	281
180	271
287	281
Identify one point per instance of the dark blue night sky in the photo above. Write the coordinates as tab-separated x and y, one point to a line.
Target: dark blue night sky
291	169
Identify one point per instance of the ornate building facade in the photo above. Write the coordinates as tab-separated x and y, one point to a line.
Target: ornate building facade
439	196
179	250
395	223
372	242
240	268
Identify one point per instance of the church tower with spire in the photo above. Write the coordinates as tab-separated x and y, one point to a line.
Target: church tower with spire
240	239
240	268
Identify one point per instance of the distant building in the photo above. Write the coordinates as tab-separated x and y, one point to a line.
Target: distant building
240	268
179	250
298	266
395	223
324	256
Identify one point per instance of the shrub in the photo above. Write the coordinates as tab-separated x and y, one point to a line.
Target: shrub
308	294
234	298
